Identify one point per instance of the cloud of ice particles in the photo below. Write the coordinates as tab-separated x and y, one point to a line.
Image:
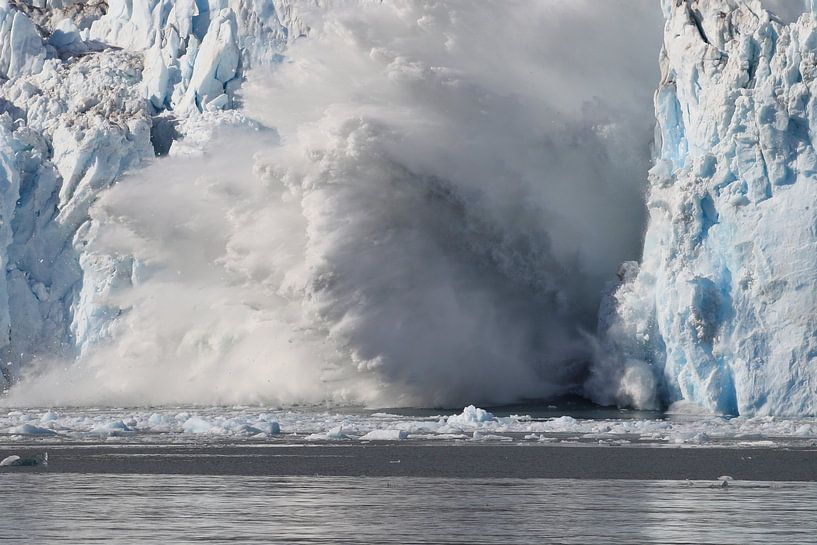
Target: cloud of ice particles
441	191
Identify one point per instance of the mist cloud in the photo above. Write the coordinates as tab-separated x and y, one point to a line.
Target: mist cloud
441	194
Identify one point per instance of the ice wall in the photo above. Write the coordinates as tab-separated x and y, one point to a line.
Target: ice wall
88	90
722	310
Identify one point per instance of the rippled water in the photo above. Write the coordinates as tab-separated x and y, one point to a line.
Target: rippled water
46	508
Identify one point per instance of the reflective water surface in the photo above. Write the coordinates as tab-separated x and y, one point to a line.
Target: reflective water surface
86	508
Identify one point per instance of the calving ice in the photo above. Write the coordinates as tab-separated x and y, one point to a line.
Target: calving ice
308	238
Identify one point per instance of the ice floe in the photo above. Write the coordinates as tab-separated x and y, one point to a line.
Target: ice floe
241	424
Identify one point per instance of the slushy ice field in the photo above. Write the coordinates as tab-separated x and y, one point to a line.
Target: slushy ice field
569	423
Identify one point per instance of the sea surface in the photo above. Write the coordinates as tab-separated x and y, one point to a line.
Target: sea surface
41	508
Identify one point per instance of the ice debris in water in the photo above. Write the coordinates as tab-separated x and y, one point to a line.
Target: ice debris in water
471	416
30	429
14	460
385	435
240	424
334	434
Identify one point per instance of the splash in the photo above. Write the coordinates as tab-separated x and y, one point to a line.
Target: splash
423	212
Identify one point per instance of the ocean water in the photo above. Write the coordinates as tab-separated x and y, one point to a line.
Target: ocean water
144	509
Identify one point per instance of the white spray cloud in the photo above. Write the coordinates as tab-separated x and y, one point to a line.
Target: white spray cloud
454	183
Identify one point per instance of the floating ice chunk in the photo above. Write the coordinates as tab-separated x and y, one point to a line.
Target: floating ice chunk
471	416
335	434
246	429
268	428
385	435
49	416
479	436
698	438
195	424
30	429
561	424
157	419
12	460
117	427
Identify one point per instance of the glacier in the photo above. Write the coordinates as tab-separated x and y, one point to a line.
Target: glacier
720	311
74	79
295	201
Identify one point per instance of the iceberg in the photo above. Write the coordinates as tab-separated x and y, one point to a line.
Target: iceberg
721	311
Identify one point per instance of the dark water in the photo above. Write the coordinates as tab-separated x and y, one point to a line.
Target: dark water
424	460
87	508
574	406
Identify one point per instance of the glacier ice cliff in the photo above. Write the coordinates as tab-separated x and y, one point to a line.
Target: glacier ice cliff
722	309
74	79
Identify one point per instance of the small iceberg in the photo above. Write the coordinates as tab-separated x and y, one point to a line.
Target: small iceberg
470	417
335	434
385	435
30	429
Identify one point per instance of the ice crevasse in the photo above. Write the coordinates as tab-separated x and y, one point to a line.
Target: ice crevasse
722	309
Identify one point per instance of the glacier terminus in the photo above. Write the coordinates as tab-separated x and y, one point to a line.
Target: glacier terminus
327	244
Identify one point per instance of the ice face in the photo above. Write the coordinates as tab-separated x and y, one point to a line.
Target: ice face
73	119
721	310
21	47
